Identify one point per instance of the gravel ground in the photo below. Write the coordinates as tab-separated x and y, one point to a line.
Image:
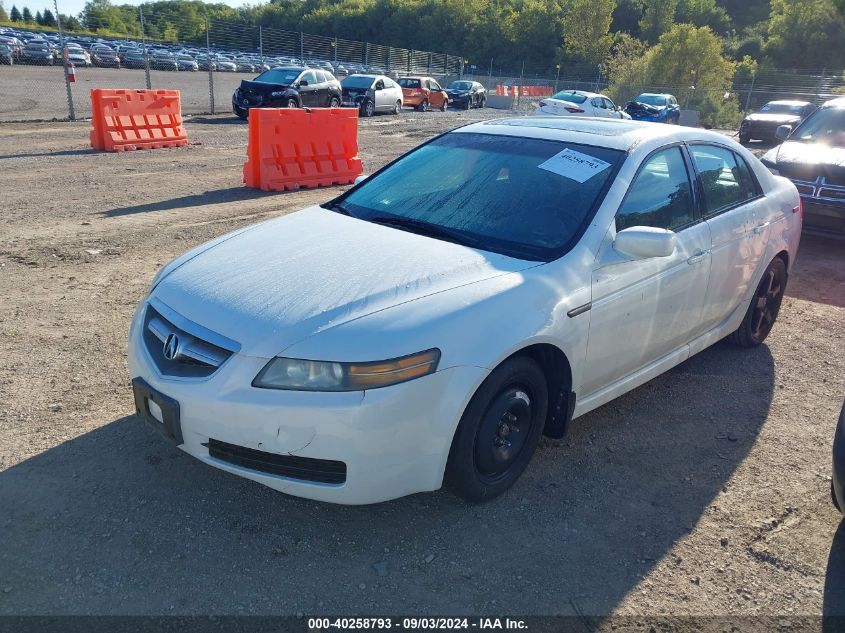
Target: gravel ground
706	491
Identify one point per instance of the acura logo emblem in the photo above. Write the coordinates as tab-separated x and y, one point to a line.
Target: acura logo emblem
171	347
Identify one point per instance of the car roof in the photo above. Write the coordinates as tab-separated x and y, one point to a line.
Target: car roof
838	102
617	134
583	93
790	102
655	94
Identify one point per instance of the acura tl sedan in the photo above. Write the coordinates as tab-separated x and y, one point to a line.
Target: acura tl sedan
429	324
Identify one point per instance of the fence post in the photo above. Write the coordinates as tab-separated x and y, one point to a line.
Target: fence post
301	46
366	53
819	85
519	86
429	63
750	92
410	52
261	43
70	108
210	66
490	75
144	46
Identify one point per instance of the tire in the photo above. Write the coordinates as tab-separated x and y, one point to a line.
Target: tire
423	107
444	105
833	497
368	108
334	102
397	108
468	104
291	103
483	102
744	139
764	307
498	432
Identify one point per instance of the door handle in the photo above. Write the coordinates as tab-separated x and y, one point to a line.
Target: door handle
759	229
697	256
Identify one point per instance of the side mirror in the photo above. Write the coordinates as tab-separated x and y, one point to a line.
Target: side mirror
304	82
782	132
645	242
361	178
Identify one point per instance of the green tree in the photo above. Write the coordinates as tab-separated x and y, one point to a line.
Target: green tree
586	27
38	19
657	18
703	13
625	68
806	34
49	18
15	15
4	17
26	15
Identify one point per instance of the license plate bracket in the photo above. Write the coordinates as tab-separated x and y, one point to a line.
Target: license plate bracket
170	424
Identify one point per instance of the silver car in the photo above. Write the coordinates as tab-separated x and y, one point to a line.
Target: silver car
371	94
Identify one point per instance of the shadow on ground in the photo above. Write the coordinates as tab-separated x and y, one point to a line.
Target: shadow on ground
60	153
119	521
824	282
219	196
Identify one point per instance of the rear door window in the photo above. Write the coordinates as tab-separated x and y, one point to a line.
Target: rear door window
725	182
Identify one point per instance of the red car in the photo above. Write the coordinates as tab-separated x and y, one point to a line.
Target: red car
423	93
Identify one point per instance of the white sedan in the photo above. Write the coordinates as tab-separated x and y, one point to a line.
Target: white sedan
580	103
429	324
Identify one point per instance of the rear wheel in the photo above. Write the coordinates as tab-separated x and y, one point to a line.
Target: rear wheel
444	105
397	107
764	307
499	431
334	102
423	107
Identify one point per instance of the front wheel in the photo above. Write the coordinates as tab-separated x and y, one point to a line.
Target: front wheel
499	431
744	139
764	307
291	103
483	102
368	108
334	102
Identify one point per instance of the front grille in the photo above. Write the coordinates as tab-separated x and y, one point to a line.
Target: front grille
326	471
183	350
834	193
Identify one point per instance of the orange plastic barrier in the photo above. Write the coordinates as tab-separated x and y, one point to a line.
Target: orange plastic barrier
136	119
293	148
500	90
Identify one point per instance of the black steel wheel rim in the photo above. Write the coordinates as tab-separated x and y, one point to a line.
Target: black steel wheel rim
766	304
503	432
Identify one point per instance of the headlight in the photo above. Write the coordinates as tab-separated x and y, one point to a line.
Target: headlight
276	94
310	375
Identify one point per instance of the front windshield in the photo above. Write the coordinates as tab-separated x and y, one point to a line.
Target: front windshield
460	85
357	81
826	125
570	96
653	100
781	108
280	76
526	198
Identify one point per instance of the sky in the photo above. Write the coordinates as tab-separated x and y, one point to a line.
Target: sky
74	7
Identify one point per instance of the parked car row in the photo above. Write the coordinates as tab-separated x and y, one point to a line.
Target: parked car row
303	85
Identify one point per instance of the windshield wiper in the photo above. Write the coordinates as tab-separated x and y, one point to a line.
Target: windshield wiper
337	207
427	229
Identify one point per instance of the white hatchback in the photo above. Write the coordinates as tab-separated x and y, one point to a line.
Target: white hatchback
429	324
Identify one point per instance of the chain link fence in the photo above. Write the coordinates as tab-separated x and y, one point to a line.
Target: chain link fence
207	61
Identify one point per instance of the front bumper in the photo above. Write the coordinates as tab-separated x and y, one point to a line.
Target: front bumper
839	462
394	441
824	206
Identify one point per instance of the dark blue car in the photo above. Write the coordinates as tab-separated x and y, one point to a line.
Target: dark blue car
661	108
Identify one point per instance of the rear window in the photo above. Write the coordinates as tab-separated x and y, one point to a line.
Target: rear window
409	83
571	97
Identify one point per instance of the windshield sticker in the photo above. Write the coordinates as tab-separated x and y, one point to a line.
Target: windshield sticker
575	165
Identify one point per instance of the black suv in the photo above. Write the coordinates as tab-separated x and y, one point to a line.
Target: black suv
287	87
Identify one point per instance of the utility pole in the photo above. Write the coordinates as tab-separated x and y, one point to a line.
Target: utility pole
210	66
557	77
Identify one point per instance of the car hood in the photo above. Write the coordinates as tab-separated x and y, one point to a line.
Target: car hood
762	117
281	281
637	107
259	87
808	161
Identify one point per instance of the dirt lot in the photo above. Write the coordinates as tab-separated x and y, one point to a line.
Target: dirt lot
705	491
